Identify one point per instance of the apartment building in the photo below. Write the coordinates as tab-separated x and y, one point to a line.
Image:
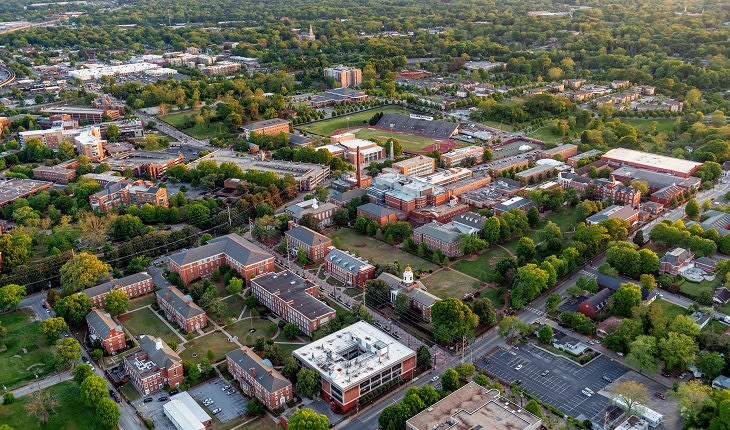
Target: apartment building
247	259
153	366
344	76
127	193
58	174
90	144
270	127
293	299
347	268
257	378
133	286
316	245
103	328
180	309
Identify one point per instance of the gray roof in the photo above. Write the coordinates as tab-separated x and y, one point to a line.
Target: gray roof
673	256
308	236
418	293
720	221
291	288
102	323
654	179
347	261
163	355
181	302
706	261
247	360
233	245
265	123
514	203
471	219
346	196
114	283
564	338
377	210
596	300
299	140
436	230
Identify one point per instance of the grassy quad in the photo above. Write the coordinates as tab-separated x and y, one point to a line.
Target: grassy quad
177	120
140	302
450	283
474	265
329	126
27	354
664	125
670	309
264	328
377	251
70	413
263	424
216	342
146	321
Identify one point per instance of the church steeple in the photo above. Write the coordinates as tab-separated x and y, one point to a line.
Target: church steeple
311	32
408	275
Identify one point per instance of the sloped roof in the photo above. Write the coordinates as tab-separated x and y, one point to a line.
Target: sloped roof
233	245
247	360
121	282
436	230
181	302
102	323
158	351
346	261
308	236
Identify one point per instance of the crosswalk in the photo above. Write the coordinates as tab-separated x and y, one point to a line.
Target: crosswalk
537	312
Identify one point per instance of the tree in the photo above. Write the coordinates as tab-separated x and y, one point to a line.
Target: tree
639	238
129	226
686	325
545	335
307	419
107	413
533	408
53	327
254	408
525	250
74	308
483	308
691	395
341	217
307	382
83	270
116	302
8	398
643	353
96	355
11	295
290	330
626	298
552	302
235	286
112	132
692	209
710	363
452	320
92	390
631	393
648	281
81	372
377	293
42	405
68	351
450	380
401	305
302	256
465	370
423	357
511	328
677	349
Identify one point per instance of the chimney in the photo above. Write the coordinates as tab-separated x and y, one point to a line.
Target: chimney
169	288
269	371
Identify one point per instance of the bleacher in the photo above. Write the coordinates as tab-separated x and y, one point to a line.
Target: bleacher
430	128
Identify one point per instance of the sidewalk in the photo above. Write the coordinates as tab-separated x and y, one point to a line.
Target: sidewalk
42	383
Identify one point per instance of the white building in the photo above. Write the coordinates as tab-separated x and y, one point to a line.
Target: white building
96	71
185	413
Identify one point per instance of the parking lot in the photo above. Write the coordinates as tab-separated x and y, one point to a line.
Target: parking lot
154	411
562	386
232	406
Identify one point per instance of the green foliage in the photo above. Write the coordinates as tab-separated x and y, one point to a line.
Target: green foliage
452	320
307	419
307	382
450	380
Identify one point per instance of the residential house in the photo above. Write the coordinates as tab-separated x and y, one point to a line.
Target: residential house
595	303
103	328
180	309
607	326
568	343
674	261
314	244
721	296
257	378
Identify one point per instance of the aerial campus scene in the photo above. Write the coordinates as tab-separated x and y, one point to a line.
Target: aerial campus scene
361	215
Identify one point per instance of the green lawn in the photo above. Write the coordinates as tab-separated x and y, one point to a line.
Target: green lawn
201	131
664	125
410	143
70	413
474	265
670	309
27	351
450	283
264	328
329	126
335	282
494	295
354	292
146	321
234	306
140	302
694	289
499	125
546	135
263	424
129	391
216	342
377	251
288	348
716	327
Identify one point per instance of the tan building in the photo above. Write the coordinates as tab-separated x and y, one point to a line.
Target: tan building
458	156
345	76
90	144
417	166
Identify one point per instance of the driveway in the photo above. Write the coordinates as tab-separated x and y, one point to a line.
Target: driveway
232	406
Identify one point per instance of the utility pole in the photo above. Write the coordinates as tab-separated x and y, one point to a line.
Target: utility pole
463	347
230	223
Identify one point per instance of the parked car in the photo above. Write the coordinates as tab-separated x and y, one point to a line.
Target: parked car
434	379
225	388
84	359
163	399
607	379
148	399
589	391
228	393
517	381
620	354
519	366
683	375
545	373
216	410
660	395
174	391
586	392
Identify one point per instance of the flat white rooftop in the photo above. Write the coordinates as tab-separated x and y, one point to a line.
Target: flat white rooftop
353	354
651	160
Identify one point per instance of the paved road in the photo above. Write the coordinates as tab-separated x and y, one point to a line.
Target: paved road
35	303
181	137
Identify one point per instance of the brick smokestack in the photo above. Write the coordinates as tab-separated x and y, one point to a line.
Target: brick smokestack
359	169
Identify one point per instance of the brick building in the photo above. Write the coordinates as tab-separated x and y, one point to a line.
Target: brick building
102	327
133	286
323	212
58	174
347	268
153	366
667	195
675	260
316	245
517	202
90	144
345	76
180	309
293	299
626	213
458	157
419	165
126	193
419	299
257	378
564	152
653	162
247	259
270	127
603	188
382	214
439	236
354	361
